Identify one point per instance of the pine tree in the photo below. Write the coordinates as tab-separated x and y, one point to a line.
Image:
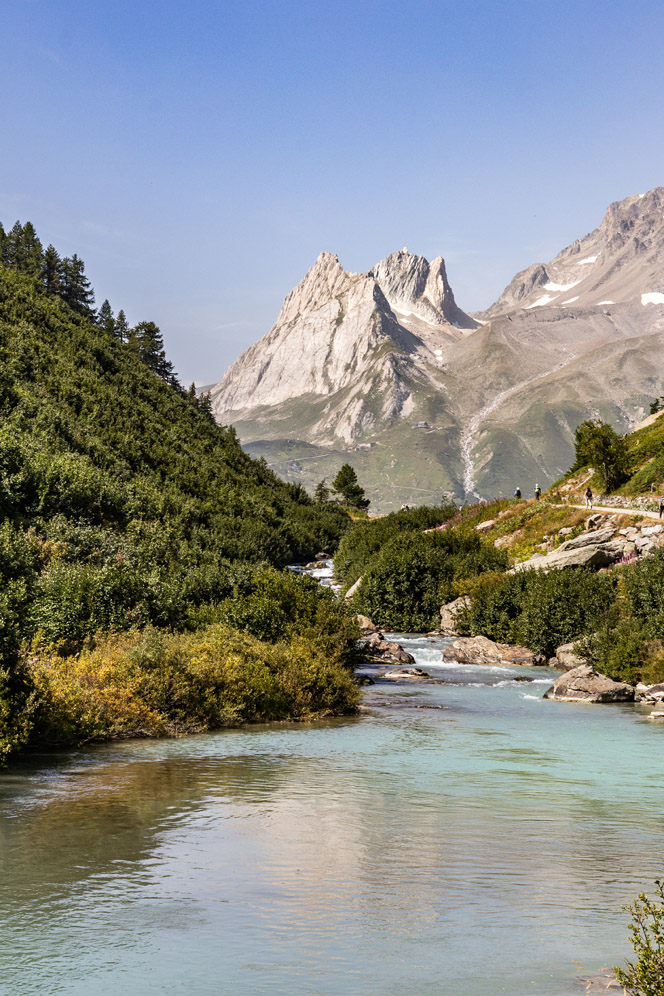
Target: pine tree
76	289
105	319
3	244
50	272
147	341
322	493
23	250
345	484
121	327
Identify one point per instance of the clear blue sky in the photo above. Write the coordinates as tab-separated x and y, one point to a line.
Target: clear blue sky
200	155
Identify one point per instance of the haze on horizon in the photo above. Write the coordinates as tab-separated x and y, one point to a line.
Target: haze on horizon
200	157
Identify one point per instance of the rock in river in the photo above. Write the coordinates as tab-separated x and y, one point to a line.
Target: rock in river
407	672
584	684
481	650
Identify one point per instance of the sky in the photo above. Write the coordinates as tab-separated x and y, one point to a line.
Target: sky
198	156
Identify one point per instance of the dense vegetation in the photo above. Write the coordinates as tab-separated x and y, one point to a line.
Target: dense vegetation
408	573
123	505
645	975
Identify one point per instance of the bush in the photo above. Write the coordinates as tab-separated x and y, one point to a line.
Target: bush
405	584
152	683
540	610
645	976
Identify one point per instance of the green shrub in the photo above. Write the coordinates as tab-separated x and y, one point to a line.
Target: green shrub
645	976
540	610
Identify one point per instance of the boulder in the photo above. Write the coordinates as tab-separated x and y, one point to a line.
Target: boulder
567	659
584	684
594	521
629	532
322	556
481	650
377	648
484	527
643	544
407	672
502	541
448	615
657	715
652	530
363	679
649	693
585	556
353	588
590	538
566	531
366	625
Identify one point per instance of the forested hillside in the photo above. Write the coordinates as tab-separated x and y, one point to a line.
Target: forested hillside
122	503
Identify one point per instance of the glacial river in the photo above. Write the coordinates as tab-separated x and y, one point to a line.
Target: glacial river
462	837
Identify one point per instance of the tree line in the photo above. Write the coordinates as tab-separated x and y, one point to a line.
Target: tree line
64	277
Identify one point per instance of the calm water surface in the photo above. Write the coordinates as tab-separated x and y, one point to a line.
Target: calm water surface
463	837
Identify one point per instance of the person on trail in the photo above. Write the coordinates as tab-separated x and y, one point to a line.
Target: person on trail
589	497
661	506
517	493
538	492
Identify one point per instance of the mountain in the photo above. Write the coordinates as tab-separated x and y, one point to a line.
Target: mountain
426	398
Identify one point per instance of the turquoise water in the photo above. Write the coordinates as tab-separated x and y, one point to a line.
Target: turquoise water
462	837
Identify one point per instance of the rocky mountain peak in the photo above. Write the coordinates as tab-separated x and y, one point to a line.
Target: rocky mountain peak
326	280
415	288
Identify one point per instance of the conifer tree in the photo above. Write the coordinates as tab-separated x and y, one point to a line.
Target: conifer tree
121	327
23	250
76	289
345	484
105	319
3	244
147	341
50	272
322	493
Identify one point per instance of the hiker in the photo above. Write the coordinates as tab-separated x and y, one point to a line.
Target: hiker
661	506
589	498
538	492
517	493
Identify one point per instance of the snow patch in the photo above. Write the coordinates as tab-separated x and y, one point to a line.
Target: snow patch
561	287
653	298
540	302
588	259
438	352
606	302
414	314
571	299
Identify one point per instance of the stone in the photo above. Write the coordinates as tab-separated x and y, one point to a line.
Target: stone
484	527
643	544
322	556
481	650
584	684
502	541
364	679
565	531
630	532
567	658
587	556
591	538
594	521
652	530
407	672
377	648
649	693
657	715
366	625
448	615
353	588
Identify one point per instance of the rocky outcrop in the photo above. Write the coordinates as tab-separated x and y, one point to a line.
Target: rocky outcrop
481	650
353	588
649	694
366	625
377	648
567	659
584	684
449	613
599	546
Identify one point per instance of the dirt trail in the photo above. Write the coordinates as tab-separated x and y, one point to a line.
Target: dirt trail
613	509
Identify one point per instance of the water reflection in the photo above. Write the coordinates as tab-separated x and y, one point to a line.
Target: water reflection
410	850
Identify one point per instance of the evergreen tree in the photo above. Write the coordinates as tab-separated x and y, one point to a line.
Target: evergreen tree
121	328
105	319
23	249
345	484
322	493
3	245
146	340
598	445
76	289
50	273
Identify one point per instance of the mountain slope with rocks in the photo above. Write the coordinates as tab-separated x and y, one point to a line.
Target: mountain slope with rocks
385	369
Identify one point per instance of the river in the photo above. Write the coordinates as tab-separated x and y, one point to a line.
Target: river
463	836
